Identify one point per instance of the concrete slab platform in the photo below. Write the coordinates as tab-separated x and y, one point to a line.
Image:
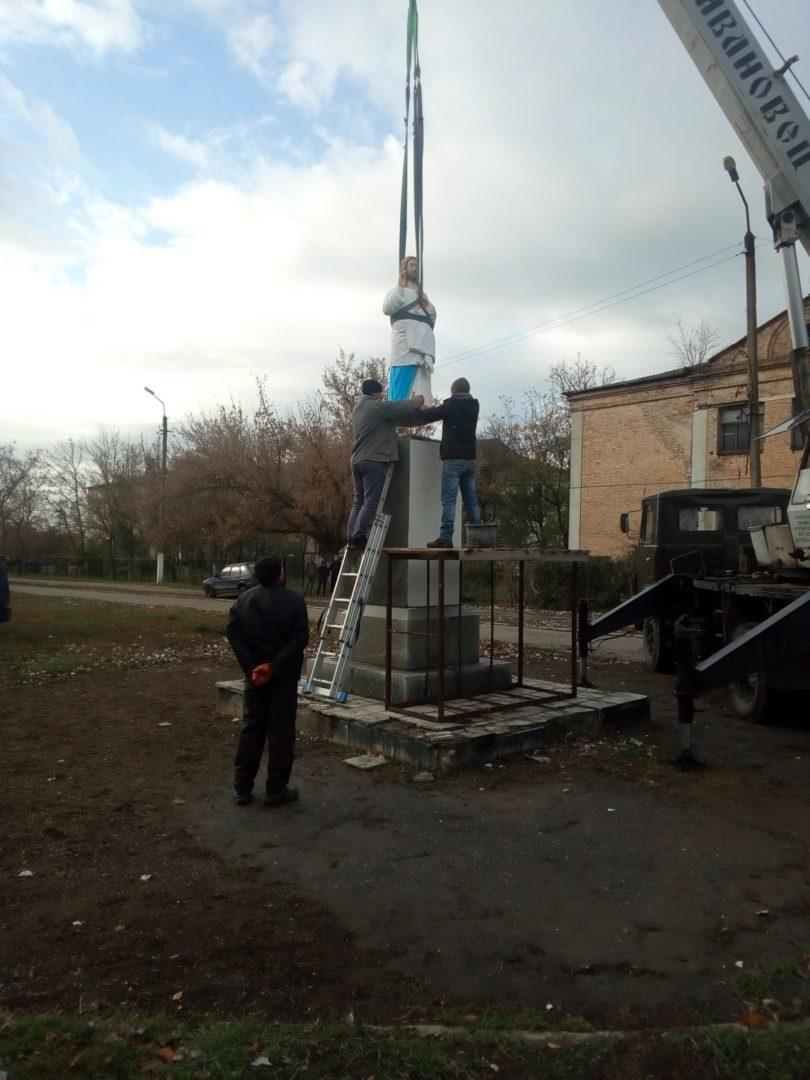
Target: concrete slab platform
366	725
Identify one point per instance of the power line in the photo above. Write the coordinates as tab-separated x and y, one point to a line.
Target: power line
760	24
520	334
590	309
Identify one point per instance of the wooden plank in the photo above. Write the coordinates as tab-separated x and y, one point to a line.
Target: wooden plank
522	555
489	554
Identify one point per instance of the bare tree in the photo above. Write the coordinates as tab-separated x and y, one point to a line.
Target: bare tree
528	489
692	345
67	481
112	494
569	376
341	384
22	500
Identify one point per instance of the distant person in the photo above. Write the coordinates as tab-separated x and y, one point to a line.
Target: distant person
374	423
323	576
334	570
310	575
268	630
459	416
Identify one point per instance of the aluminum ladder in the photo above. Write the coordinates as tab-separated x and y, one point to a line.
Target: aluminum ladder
341	621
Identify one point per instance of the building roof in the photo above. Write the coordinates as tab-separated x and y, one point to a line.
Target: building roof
699	371
713	494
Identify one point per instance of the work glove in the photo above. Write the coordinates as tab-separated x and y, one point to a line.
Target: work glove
261	674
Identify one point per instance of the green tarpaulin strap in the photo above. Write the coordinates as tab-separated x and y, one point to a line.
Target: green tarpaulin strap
413	77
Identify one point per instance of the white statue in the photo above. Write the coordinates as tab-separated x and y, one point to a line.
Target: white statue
413	346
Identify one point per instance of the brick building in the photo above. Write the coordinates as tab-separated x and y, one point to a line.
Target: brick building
682	428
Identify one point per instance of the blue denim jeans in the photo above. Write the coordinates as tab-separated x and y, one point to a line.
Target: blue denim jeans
368	478
458	474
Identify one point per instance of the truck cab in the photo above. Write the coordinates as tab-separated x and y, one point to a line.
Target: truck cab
701	530
696	531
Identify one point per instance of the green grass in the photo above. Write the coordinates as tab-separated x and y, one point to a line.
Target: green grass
521	1020
50	636
43	1047
784	1055
769	979
37	1048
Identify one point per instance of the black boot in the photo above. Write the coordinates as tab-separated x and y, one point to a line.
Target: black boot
280	798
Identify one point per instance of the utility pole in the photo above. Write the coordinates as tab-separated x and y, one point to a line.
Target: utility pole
754	445
163	449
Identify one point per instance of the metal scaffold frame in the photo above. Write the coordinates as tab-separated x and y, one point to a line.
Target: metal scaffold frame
519	692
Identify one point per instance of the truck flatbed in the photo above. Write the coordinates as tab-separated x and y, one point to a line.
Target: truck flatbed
762	586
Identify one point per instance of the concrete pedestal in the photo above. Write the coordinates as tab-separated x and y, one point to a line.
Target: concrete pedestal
414	502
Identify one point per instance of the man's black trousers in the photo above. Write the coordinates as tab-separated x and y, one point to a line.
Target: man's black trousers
269	717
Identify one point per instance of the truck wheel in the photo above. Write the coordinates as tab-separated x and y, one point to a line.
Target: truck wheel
657	650
749	694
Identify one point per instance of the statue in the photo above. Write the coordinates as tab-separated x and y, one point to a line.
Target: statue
413	347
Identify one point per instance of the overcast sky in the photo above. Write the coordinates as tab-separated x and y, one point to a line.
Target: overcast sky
196	193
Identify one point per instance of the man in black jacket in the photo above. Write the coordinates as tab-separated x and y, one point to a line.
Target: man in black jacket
459	414
268	630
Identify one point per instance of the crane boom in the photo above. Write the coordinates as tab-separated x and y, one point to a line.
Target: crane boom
773	127
757	100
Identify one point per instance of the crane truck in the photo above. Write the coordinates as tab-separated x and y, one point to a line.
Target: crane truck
749	630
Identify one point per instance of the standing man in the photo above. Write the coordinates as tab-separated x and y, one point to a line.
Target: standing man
459	414
268	630
334	570
310	573
323	576
374	423
413	346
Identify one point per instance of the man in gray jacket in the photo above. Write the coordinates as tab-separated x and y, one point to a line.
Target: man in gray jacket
374	423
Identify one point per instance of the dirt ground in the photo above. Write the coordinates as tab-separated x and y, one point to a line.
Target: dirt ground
601	885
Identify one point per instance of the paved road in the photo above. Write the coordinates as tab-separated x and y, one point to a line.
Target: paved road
624	648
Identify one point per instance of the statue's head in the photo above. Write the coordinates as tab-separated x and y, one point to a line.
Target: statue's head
410	268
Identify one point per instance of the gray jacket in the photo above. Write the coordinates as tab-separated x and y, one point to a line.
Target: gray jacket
374	423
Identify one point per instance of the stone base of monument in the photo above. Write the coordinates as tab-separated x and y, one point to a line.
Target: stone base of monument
414	656
365	724
368	681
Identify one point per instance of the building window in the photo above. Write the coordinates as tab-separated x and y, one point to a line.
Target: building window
732	429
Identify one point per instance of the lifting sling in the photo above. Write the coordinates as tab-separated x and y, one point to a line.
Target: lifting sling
413	78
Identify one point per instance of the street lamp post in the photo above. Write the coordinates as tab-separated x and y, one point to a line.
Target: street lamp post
751	315
163	448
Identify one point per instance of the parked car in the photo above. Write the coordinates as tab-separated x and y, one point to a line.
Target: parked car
5	593
231	580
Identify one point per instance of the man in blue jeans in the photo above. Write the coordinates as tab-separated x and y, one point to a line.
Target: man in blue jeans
459	414
374	423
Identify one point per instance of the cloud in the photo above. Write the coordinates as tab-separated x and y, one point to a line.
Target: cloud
564	163
94	27
39	159
37	118
303	51
247	28
250	40
191	151
227	151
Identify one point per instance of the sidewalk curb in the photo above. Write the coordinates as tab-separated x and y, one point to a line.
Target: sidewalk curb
580	1038
103	586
